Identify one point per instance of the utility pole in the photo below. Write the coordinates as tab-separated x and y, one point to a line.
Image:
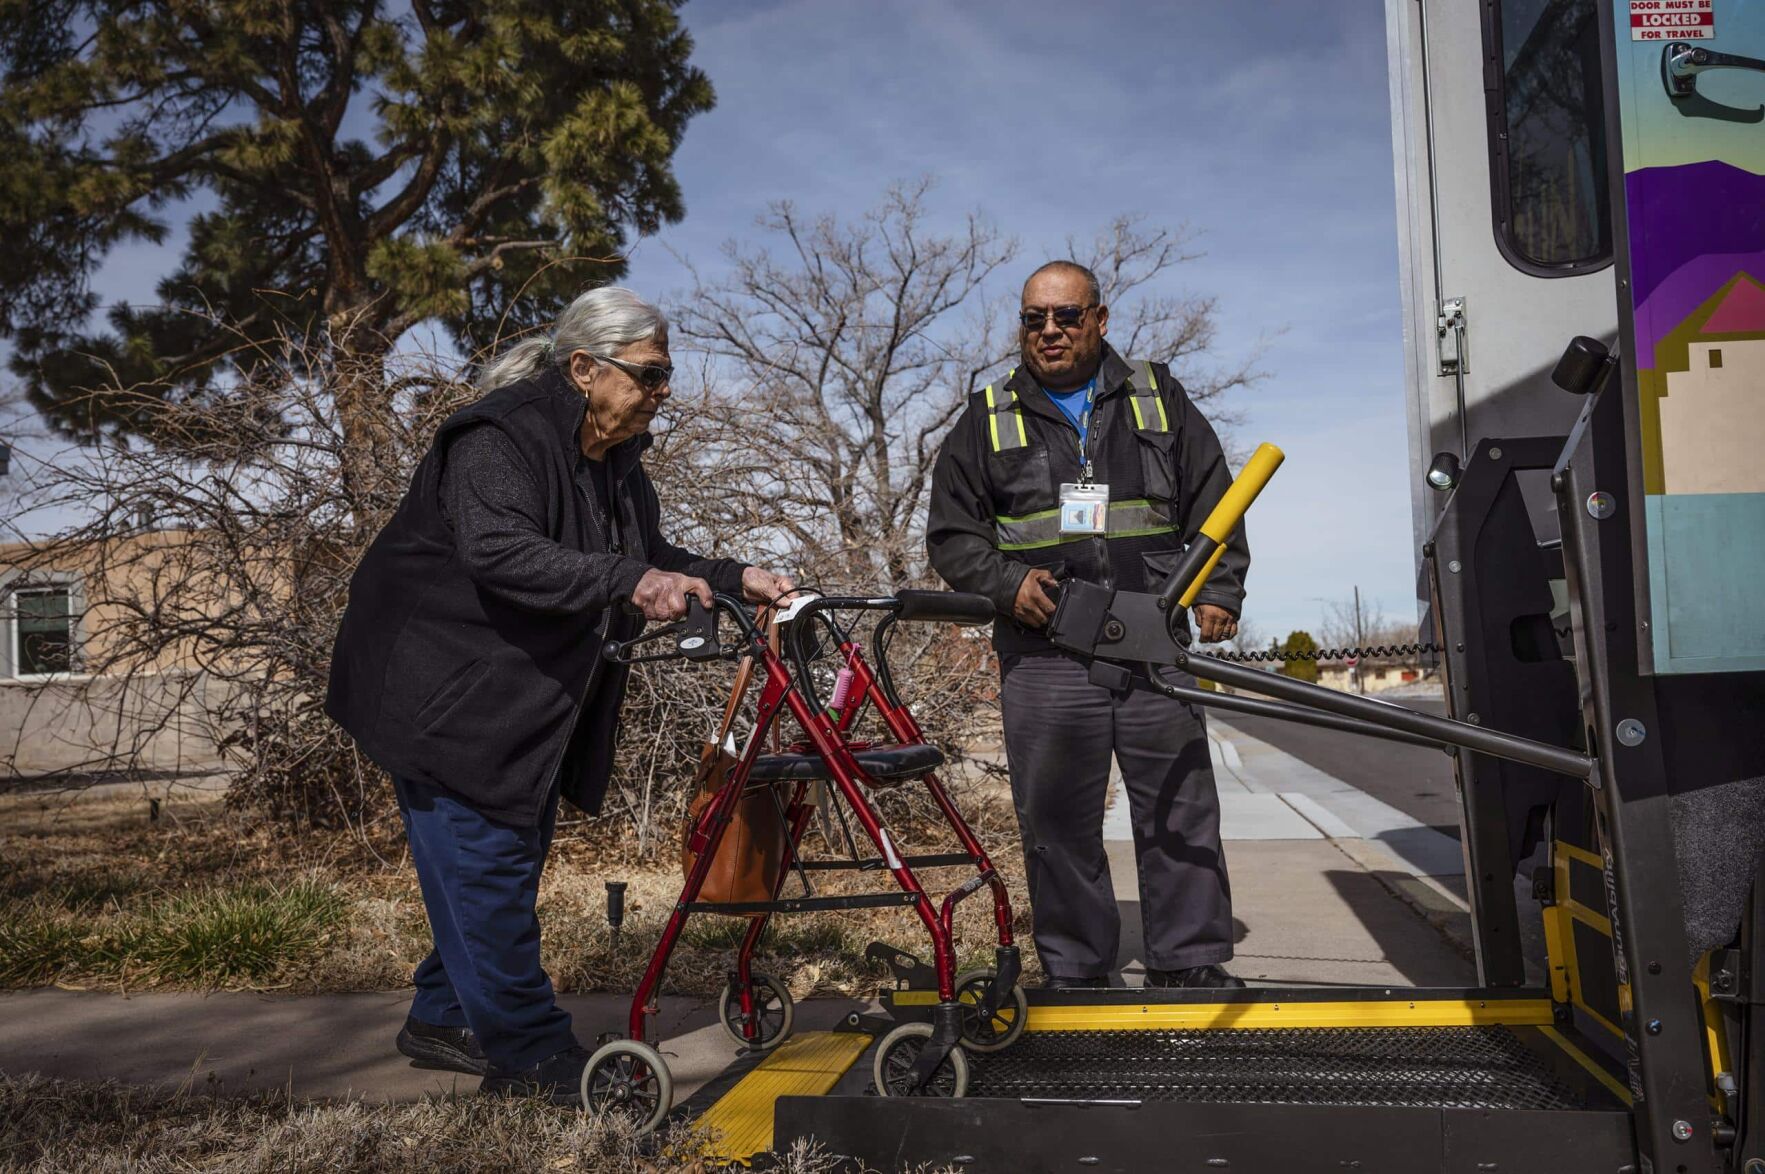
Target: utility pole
1360	641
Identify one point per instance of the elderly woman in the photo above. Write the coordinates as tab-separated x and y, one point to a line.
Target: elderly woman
468	663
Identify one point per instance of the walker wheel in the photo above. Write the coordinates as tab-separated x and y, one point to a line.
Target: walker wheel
773	1013
998	1031
628	1079
895	1055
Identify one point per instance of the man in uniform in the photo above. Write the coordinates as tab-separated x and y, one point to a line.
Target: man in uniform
1082	464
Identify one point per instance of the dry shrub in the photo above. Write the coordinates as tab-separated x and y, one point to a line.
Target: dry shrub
215	563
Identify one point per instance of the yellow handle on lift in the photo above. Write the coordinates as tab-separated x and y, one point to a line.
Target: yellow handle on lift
1230	511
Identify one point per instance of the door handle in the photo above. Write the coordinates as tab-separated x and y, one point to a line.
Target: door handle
1682	62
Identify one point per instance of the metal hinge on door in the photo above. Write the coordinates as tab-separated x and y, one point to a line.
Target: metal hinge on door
1449	337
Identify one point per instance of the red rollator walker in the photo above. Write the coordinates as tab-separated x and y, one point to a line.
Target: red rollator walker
980	1010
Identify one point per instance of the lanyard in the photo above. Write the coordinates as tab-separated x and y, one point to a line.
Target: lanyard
1085	469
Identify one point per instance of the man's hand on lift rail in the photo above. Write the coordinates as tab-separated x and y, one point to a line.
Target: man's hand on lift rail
1214	624
1033	606
661	595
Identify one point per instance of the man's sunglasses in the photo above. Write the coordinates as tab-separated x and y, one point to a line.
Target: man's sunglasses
1065	317
650	378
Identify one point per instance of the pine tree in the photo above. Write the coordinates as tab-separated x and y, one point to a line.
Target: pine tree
356	168
1299	667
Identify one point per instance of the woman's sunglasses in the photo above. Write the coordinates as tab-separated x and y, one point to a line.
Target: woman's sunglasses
1065	317
650	378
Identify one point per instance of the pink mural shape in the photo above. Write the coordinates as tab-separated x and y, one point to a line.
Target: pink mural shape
1741	312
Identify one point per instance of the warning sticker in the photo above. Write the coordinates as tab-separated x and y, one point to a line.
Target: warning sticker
1672	20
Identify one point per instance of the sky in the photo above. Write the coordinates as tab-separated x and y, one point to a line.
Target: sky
1263	126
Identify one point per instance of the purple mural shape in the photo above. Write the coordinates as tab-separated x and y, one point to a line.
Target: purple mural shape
1677	261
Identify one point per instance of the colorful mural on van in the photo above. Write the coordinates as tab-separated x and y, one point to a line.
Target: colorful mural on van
1693	120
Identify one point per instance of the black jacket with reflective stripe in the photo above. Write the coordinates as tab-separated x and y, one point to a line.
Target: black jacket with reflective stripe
990	503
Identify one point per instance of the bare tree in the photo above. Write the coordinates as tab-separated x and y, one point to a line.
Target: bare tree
216	560
1358	622
214	570
1131	260
853	348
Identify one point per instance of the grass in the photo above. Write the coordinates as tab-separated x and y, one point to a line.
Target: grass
96	895
75	1127
219	936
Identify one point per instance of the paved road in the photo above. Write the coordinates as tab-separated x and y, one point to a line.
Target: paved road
1413	779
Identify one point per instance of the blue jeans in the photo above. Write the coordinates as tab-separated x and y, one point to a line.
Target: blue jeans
480	881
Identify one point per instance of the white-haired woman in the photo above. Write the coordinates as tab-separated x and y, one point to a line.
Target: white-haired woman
468	663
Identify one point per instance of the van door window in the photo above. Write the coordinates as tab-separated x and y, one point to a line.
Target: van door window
1547	135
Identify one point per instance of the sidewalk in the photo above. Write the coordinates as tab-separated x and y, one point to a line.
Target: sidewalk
1330	886
316	1046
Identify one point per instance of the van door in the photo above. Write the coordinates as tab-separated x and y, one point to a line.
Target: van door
1504	220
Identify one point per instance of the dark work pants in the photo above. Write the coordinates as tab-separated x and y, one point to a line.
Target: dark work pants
1060	733
480	881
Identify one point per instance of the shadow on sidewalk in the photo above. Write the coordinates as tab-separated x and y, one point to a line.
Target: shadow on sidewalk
1414	947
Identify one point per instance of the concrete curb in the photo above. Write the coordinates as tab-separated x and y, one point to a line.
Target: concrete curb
1431	901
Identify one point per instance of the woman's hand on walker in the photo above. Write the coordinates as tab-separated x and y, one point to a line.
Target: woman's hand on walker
661	595
762	586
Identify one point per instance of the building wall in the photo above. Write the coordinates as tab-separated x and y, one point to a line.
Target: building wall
153	722
1376	678
121	708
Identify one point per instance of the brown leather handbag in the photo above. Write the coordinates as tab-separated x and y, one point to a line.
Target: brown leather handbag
747	859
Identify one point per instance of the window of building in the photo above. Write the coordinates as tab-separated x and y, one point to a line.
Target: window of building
41	631
1715	356
1547	135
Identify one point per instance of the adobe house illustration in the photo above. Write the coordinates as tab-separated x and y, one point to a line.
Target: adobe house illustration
1703	426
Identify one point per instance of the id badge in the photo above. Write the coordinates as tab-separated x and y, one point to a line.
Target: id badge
1084	509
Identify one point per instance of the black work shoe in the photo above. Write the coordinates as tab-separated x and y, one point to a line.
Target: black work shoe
1194	976
1054	982
452	1049
557	1078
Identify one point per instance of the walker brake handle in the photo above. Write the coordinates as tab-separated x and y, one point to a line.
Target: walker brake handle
697	639
694	638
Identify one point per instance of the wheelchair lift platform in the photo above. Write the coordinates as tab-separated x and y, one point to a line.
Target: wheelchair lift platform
1294	1079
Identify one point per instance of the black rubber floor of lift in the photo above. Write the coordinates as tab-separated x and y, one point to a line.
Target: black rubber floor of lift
1443	1067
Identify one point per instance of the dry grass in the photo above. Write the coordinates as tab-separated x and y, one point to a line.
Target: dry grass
95	894
72	1127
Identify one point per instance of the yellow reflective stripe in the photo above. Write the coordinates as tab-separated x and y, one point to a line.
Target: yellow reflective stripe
1030	531
1137	518
994	411
1141	396
1141	413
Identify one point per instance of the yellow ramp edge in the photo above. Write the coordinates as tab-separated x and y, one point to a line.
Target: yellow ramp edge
739	1125
1399	1012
